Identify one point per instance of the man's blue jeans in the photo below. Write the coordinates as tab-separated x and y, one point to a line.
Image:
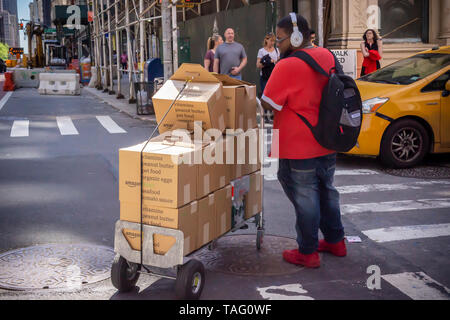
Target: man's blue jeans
239	76
308	184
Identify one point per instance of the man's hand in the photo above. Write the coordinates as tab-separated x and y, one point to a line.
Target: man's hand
235	71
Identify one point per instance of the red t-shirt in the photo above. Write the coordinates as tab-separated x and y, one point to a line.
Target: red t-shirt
294	87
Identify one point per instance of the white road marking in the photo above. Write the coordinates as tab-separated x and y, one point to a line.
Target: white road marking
66	126
5	99
20	128
360	172
296	290
389	187
408	232
392	206
418	286
110	125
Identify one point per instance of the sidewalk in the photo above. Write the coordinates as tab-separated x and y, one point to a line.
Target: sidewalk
120	104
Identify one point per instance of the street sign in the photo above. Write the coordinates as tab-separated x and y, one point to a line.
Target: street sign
16	51
347	58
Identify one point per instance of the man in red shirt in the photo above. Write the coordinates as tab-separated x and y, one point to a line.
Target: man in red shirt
306	169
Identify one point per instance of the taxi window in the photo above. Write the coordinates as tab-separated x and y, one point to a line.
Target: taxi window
409	70
437	84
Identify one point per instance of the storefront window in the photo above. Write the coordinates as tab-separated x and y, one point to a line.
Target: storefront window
405	20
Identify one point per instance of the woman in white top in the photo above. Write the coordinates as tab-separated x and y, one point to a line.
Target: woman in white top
268	55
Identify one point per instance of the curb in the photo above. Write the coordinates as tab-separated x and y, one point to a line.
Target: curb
92	92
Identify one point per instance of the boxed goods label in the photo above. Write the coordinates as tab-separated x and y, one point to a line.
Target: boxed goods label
169	179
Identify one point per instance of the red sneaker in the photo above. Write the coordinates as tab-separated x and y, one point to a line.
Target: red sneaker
338	249
308	260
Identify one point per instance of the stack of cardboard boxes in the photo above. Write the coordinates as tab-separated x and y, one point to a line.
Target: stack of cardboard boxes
186	176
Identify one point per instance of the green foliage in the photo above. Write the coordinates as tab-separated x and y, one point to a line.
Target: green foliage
4	50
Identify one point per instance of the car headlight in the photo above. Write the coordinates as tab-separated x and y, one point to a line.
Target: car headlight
372	105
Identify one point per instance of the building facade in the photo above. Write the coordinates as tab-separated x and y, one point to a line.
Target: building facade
9	23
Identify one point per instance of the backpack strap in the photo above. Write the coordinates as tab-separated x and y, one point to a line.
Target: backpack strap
302	55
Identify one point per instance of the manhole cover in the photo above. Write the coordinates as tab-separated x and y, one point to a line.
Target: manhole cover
423	172
238	255
54	266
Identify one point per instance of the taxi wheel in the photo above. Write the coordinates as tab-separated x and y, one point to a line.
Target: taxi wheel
404	144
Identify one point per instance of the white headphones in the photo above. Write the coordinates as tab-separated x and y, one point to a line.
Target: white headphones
296	36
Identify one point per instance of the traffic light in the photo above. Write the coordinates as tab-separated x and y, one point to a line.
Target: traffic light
21	26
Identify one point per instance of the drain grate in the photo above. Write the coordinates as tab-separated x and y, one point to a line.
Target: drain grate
55	266
237	255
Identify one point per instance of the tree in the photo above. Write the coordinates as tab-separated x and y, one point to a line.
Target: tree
4	51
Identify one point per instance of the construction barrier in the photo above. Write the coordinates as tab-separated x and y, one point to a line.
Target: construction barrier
85	68
27	78
9	82
93	77
59	84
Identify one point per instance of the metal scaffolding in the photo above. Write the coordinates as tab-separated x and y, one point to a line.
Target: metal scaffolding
117	23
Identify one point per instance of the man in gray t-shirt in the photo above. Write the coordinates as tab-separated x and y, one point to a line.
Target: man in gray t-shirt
230	57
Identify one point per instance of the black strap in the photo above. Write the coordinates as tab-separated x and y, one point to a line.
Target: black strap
305	121
302	55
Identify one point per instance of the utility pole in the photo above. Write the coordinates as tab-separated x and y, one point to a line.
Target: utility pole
166	34
118	54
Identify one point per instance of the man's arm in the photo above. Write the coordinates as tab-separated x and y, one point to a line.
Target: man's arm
266	106
216	65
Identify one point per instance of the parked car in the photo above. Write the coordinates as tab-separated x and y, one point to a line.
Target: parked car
406	108
2	66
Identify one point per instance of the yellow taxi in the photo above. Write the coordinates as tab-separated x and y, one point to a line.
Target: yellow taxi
406	108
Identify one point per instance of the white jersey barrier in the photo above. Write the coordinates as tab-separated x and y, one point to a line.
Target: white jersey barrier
59	84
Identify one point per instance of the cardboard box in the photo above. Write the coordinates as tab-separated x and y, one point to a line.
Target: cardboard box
202	100
246	153
184	219
170	180
206	231
240	97
253	203
222	199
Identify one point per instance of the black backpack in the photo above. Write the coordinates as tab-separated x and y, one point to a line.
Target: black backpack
340	113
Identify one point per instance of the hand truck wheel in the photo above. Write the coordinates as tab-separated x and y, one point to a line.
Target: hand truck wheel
124	274
259	238
190	280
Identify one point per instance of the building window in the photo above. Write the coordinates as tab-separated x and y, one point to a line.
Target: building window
404	20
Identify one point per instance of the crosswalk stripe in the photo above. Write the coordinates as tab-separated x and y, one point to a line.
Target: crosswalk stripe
392	206
408	232
5	99
66	126
389	187
110	125
356	172
418	286
20	128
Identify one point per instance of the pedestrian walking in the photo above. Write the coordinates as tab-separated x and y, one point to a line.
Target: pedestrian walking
372	50
124	61
306	169
313	38
230	57
267	56
213	43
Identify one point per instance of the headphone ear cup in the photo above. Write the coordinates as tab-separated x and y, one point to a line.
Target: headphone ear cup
296	39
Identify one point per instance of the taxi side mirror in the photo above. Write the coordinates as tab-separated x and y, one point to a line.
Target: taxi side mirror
446	92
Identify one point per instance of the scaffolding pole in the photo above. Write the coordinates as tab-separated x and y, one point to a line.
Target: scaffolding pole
141	37
104	64
98	70
118	53
110	49
174	35
166	34
130	53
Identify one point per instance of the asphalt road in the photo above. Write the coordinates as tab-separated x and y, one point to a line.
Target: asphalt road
57	188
